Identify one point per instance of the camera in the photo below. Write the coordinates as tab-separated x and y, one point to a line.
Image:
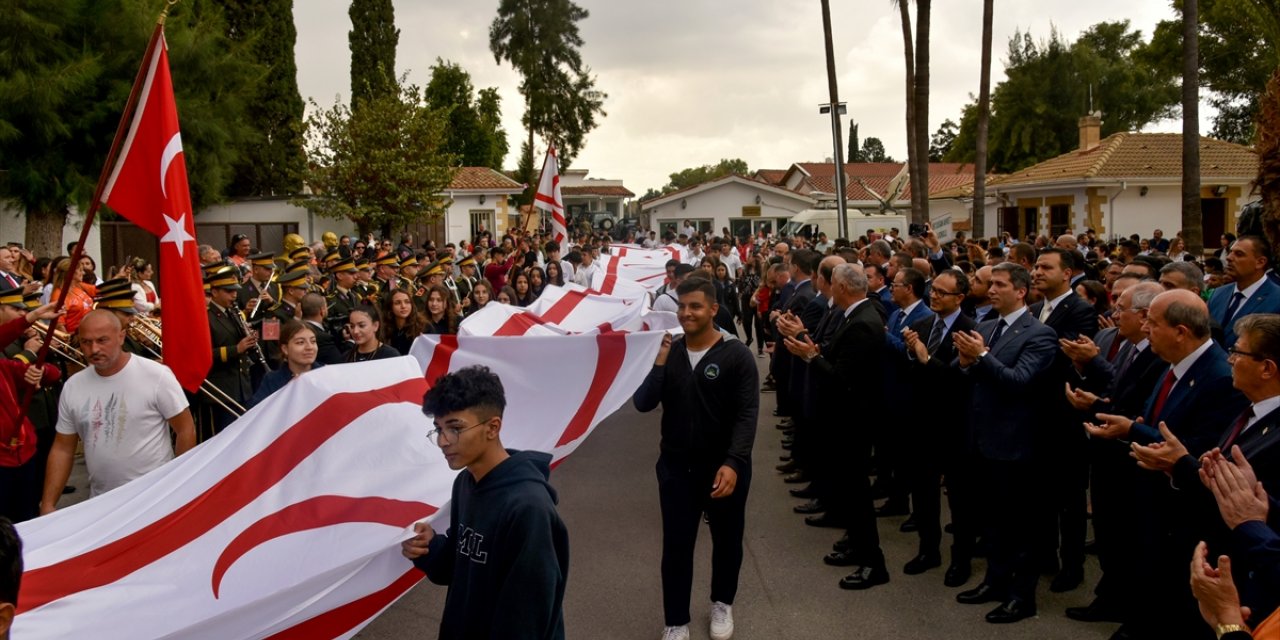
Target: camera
917	230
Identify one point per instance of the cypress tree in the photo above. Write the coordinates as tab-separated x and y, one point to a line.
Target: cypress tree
373	39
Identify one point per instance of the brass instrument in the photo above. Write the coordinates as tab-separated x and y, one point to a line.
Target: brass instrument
256	354
453	288
258	307
61	345
147	333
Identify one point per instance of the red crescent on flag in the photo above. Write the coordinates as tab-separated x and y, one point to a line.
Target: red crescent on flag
314	513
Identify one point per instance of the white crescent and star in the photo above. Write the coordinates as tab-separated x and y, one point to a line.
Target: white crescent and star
171	151
177	233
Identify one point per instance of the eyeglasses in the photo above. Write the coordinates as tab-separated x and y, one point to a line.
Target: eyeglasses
451	434
940	292
1237	352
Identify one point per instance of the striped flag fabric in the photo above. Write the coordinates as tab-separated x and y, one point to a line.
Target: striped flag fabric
549	199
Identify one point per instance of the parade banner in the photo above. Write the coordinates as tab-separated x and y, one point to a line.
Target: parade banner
571	309
288	524
549	199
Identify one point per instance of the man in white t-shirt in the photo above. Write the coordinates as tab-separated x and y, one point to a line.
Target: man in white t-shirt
120	407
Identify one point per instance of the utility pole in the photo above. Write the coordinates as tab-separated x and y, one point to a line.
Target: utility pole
835	108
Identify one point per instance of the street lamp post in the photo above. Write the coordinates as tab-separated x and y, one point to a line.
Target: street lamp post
835	108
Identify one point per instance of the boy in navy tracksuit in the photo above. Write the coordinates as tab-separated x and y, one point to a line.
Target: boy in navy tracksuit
505	556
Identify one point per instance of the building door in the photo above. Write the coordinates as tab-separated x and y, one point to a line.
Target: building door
483	220
1213	212
1030	223
1059	219
1008	221
740	227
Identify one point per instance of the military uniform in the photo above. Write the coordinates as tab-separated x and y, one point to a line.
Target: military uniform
230	370
43	410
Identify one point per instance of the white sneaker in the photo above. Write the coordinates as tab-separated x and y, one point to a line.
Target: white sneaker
721	621
676	633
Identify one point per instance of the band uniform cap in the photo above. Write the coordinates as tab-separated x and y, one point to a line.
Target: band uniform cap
446	260
363	264
330	256
263	260
12	298
114	285
343	265
301	253
389	260
121	300
32	300
295	278
436	269
468	261
299	266
410	261
228	278
215	267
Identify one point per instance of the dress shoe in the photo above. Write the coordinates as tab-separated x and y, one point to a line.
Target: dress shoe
1097	611
1091	547
1127	632
786	423
789	466
1067	580
804	492
789	432
922	563
909	525
1011	611
840	559
864	577
784	458
842	544
891	508
957	574
824	520
981	594
787	444
810	507
768	388
796	478
780	414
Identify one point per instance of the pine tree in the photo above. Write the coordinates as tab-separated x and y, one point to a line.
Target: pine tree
271	163
373	39
855	152
475	126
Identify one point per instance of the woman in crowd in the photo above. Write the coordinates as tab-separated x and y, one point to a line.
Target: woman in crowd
763	296
750	282
537	281
43	272
145	297
707	267
481	295
442	317
524	291
404	322
506	295
89	271
298	354
1177	249
1096	294
79	297
364	325
238	252
554	274
727	298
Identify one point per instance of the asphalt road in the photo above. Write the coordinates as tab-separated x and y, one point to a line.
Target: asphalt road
609	501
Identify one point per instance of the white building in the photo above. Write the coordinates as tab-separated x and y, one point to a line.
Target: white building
742	205
582	194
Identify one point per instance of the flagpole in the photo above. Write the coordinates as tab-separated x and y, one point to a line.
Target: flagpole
91	213
533	201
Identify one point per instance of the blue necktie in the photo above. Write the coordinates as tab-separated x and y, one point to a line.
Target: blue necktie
1000	327
1236	299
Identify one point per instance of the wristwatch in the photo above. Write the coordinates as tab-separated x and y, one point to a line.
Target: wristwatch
1224	629
983	354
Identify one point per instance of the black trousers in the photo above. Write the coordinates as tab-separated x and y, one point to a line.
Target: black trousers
1111	478
846	460
926	471
18	485
1010	492
684	493
1066	478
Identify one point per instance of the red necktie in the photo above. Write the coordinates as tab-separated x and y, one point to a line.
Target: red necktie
1165	387
1237	428
1115	347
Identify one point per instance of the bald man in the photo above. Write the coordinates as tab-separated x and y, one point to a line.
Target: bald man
122	407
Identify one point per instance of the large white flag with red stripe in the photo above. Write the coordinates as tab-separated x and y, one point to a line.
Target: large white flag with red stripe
571	309
548	197
288	524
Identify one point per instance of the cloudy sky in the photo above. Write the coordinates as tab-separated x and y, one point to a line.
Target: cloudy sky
693	81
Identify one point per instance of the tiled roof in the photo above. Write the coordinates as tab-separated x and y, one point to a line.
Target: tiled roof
878	175
597	190
483	178
964	190
770	176
1139	155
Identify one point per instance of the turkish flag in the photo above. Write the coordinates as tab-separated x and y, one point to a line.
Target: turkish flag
148	185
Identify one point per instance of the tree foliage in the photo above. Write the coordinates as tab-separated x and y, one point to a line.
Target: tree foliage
855	149
271	162
372	39
1239	48
942	140
475	132
1048	86
873	151
66	70
540	40
380	166
692	176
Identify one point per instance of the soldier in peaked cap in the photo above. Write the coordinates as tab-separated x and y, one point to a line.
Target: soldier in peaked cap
466	279
344	298
386	274
293	286
366	286
259	286
232	348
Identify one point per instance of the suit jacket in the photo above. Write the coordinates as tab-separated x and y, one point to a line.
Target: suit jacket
1008	390
230	370
895	324
1201	405
939	389
886	299
1265	300
850	367
1071	318
327	350
781	364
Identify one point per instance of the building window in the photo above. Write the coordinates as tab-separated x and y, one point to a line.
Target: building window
1059	219
1030	221
482	220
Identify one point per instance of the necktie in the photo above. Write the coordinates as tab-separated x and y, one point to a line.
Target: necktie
1237	428
1126	360
12	281
995	335
935	336
1044	313
1236	299
1116	343
1165	388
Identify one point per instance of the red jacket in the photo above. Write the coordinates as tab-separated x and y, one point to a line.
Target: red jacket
17	445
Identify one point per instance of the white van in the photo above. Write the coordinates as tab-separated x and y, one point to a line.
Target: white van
812	221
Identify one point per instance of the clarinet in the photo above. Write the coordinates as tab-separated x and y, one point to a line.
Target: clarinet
256	356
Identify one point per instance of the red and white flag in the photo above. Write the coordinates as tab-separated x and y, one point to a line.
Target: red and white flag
548	197
148	185
568	310
288	524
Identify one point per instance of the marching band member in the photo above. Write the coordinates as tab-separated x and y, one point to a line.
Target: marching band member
231	347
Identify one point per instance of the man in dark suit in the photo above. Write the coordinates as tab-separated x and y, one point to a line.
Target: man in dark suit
849	367
1008	360
314	312
1256	431
908	294
940	391
1195	400
1251	291
1066	468
1123	359
803	263
878	277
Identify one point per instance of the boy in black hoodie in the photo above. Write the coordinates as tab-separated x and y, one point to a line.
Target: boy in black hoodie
505	556
706	382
